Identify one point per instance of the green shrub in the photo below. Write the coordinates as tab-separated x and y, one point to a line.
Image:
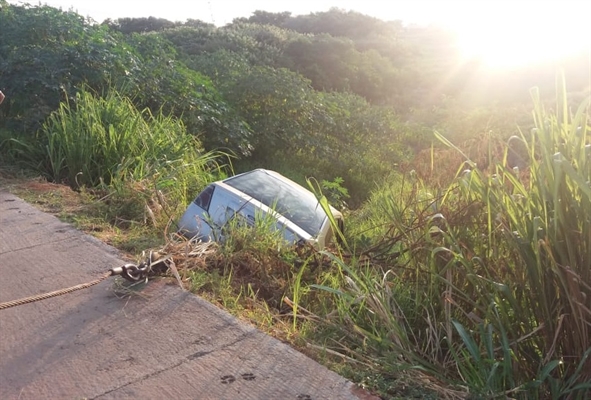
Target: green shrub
46	54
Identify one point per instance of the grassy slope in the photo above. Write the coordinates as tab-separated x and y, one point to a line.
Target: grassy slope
83	210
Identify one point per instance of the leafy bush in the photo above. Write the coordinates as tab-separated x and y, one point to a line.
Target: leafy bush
46	54
162	83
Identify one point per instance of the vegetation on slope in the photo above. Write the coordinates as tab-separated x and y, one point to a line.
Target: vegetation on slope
465	268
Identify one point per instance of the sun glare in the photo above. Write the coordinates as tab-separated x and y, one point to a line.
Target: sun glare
501	33
520	33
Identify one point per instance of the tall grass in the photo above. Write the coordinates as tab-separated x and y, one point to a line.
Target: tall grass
543	217
102	137
143	163
487	284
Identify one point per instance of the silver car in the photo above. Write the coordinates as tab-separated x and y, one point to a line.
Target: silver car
296	210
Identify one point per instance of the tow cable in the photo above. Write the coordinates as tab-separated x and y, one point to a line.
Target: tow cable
151	266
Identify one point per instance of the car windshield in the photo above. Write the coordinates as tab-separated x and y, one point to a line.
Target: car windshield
295	203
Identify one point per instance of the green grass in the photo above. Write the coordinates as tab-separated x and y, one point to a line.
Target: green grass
483	286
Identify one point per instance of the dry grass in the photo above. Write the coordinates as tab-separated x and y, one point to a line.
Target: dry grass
438	167
267	274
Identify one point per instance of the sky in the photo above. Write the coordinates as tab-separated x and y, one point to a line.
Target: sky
500	32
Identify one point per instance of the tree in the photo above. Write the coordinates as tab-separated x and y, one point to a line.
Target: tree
46	54
339	23
139	25
161	82
49	55
266	18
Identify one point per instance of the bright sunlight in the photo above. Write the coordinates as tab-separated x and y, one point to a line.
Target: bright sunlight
505	34
501	33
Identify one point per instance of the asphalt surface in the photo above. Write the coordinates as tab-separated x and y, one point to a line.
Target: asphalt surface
165	344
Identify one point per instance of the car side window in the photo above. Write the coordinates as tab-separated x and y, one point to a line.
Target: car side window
238	218
204	198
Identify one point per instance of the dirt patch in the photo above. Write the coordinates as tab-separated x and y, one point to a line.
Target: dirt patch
48	197
80	208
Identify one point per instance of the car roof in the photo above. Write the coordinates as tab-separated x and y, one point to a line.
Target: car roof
281	194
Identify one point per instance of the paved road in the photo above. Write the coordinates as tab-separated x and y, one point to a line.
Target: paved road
90	344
